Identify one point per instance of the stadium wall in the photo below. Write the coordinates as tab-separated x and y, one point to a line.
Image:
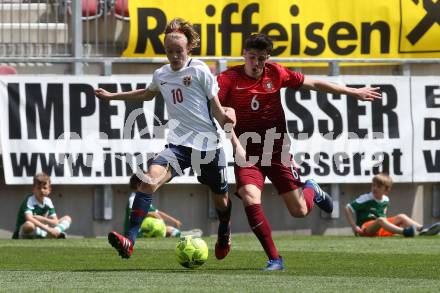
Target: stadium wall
190	204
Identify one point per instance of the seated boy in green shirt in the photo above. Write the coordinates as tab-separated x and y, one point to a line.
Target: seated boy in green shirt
371	219
37	217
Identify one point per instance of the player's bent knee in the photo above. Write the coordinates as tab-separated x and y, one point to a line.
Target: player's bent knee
250	195
66	218
248	199
381	220
28	227
402	216
220	200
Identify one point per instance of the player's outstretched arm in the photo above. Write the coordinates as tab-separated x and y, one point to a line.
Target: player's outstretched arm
135	95
364	93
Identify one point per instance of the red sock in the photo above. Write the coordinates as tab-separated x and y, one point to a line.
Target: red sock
309	194
261	228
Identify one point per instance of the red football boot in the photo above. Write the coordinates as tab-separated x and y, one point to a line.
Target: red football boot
122	244
223	245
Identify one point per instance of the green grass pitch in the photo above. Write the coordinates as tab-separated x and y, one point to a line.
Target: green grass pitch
313	263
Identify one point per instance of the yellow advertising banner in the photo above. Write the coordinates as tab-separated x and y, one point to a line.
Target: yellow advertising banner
300	28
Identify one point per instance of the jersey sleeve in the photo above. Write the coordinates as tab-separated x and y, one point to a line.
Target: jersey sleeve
356	205
208	82
51	208
29	208
154	85
224	83
289	78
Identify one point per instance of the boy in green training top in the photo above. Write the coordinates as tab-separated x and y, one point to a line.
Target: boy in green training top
371	219
37	217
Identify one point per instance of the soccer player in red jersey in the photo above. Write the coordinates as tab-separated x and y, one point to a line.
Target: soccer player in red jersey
253	90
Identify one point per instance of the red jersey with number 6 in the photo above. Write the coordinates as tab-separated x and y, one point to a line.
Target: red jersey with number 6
257	102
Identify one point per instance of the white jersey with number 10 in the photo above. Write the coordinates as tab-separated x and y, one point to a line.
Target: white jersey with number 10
187	93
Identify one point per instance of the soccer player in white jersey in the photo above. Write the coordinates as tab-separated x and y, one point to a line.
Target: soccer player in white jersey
190	93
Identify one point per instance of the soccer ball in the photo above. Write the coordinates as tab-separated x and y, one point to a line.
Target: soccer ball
191	252
152	227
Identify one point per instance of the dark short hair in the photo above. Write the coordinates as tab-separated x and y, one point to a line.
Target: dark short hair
134	181
259	42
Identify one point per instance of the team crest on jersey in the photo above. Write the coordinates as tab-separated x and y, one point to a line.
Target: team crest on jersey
187	80
268	85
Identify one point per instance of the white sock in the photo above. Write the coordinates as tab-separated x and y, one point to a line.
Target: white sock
40	232
175	232
63	225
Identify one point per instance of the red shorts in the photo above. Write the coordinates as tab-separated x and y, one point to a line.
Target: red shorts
381	232
284	178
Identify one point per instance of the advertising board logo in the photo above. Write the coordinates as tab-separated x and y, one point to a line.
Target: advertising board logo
419	26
